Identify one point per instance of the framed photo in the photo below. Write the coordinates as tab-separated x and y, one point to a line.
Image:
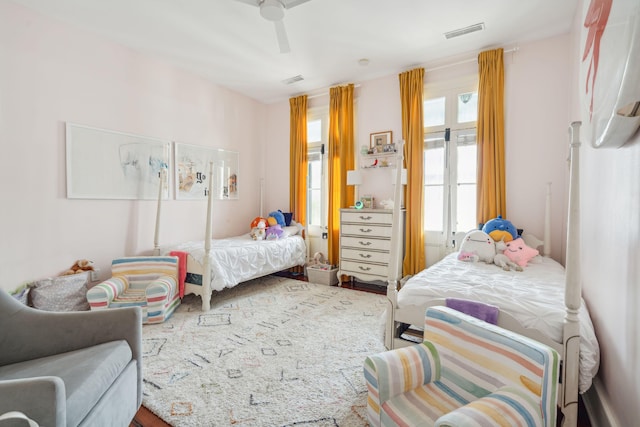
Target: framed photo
367	201
389	148
379	140
107	164
193	169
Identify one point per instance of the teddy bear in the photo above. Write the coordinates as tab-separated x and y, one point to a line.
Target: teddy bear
80	266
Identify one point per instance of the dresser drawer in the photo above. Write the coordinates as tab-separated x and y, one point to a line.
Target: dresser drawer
364	255
367	217
365	243
365	230
360	267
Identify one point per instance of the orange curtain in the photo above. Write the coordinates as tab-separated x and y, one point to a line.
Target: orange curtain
298	158
341	159
411	94
491	200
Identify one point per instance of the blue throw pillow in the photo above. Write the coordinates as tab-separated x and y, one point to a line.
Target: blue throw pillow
288	216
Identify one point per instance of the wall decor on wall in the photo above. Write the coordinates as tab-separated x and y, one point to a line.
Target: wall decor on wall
107	164
610	71
379	140
192	172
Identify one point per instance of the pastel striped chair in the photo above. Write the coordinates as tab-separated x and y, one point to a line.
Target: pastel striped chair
148	282
467	372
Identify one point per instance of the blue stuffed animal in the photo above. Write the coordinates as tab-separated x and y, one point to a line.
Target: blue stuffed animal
500	229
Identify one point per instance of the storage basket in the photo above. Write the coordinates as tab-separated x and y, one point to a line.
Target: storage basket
322	274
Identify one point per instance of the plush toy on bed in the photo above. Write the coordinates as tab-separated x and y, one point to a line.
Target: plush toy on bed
276	217
500	229
274	232
503	261
258	228
477	246
518	252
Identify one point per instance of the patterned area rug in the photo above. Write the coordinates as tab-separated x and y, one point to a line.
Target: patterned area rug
270	352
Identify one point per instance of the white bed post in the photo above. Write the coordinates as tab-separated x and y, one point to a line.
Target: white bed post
206	273
573	291
156	235
547	223
396	241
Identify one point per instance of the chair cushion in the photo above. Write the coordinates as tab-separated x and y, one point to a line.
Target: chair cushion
87	374
130	297
421	406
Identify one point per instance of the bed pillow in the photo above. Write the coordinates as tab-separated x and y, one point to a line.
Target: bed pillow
290	230
518	252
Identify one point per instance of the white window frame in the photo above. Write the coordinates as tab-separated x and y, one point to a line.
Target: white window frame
314	149
437	244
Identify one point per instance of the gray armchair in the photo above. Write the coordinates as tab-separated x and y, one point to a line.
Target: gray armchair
72	368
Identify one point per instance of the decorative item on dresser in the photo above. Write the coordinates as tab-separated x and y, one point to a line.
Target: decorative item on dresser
365	244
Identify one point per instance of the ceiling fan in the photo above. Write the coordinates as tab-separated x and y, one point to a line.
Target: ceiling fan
273	10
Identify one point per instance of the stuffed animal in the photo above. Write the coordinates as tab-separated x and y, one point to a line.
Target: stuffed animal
276	217
274	232
477	243
259	232
80	266
257	220
500	229
518	252
503	261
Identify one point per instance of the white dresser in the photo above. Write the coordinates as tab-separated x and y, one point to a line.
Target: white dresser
365	244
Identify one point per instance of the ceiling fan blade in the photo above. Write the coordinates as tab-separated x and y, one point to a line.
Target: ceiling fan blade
281	33
292	3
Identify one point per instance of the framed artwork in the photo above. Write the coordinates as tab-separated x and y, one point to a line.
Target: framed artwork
367	201
378	141
106	164
193	170
609	77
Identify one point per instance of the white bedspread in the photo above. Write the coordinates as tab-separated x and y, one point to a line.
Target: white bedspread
238	259
535	297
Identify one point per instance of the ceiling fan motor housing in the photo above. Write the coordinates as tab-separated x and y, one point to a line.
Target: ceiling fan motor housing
272	10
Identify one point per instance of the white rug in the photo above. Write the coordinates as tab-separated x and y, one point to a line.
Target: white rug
270	352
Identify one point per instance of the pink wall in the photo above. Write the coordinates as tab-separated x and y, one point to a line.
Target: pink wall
52	73
610	256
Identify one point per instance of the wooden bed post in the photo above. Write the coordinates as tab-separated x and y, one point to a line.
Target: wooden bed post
573	291
206	274
396	242
156	235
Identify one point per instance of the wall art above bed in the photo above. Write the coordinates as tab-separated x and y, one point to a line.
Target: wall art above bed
106	164
192	172
610	71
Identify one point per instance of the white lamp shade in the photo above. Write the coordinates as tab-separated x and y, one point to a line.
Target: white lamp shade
404	176
354	178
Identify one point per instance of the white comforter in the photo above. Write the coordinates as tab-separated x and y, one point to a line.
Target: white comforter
535	297
238	259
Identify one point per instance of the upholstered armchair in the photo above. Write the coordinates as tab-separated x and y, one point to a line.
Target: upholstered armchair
466	372
70	368
149	282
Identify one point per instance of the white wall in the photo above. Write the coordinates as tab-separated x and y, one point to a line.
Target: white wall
610	256
51	73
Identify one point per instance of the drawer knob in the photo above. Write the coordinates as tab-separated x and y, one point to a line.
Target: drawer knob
368	230
365	255
364	268
365	218
364	243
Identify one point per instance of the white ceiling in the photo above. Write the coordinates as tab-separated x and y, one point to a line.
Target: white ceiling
229	43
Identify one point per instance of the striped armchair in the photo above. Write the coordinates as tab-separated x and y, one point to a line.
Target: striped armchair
466	372
148	282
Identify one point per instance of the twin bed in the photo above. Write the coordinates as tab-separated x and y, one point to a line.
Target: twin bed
215	264
542	302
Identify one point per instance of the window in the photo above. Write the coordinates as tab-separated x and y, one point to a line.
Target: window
317	135
450	164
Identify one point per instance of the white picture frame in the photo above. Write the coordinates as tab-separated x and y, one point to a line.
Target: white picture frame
192	170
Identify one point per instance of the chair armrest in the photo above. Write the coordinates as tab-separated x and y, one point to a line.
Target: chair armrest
102	294
161	288
507	405
40	398
394	372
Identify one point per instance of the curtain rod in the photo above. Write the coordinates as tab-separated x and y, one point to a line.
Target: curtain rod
453	64
465	61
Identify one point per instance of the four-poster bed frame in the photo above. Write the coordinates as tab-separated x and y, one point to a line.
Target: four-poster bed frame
569	348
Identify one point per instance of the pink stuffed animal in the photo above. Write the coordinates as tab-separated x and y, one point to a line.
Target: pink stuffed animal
518	252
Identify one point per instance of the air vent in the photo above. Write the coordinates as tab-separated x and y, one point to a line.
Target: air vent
465	30
292	80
